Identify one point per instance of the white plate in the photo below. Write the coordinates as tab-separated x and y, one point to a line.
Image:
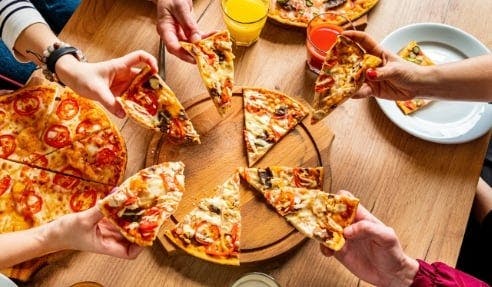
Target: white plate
6	282
442	121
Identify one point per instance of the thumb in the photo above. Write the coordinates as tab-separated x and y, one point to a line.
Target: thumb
370	230
108	100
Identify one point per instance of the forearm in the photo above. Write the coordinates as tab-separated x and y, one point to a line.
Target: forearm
35	38
23	245
468	80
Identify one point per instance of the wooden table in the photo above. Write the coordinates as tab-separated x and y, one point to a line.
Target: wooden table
423	190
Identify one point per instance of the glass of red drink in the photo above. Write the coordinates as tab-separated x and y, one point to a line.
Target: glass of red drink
321	36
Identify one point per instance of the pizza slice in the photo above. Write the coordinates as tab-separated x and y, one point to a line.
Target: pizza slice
315	213
212	230
268	117
101	158
341	76
142	203
152	104
214	58
412	52
274	177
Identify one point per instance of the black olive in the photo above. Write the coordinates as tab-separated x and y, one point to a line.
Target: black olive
132	215
214	209
281	111
333	3
265	177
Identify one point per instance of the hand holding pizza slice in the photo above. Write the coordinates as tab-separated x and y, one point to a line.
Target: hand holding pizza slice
142	203
341	76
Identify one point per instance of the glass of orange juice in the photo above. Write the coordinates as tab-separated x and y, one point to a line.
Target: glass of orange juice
245	19
321	35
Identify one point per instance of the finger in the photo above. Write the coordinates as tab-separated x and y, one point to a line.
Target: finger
362	212
138	57
169	34
326	251
184	17
109	102
366	41
93	214
365	229
364	92
133	251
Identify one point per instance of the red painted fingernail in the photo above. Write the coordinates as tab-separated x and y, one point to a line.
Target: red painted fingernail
372	74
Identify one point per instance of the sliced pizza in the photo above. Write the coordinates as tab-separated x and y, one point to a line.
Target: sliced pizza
274	177
212	230
315	213
341	76
141	204
300	12
412	52
215	62
268	116
151	103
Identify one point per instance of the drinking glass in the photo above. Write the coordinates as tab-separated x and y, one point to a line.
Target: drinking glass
321	36
245	19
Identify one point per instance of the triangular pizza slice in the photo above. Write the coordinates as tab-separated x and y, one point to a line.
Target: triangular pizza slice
412	52
273	177
152	104
315	213
212	230
215	62
268	117
341	76
142	203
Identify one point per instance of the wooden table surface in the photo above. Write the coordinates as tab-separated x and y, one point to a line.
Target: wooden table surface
423	190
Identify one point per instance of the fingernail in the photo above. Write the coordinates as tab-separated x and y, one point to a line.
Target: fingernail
120	114
372	74
195	37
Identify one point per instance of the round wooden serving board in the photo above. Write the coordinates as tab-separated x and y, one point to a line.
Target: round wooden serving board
264	233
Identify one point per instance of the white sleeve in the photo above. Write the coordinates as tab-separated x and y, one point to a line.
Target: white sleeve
15	16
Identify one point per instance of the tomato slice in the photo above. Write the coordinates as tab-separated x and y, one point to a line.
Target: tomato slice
106	156
37	159
7	145
67	109
57	136
26	104
147	99
206	233
83	199
146	227
176	130
87	127
31	203
66	181
4	184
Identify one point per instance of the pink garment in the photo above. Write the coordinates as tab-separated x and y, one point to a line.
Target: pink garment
440	274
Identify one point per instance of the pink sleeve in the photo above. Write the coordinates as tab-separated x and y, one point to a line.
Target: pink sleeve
440	274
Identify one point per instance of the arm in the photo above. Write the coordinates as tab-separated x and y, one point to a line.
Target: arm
98	81
93	233
469	80
373	253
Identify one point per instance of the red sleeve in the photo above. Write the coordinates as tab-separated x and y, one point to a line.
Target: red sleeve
440	274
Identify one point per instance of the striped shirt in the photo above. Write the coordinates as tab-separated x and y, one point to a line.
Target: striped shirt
15	16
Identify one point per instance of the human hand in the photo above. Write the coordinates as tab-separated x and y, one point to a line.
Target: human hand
89	231
395	80
175	23
103	81
373	253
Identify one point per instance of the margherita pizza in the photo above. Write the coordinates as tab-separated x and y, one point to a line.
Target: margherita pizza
341	76
212	230
268	117
214	58
142	203
413	53
315	213
300	12
37	124
151	103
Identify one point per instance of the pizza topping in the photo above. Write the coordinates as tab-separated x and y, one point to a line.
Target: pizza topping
67	109
206	233
333	3
105	156
83	199
154	83
7	145
65	181
265	176
29	203
87	127
5	184
26	104
57	136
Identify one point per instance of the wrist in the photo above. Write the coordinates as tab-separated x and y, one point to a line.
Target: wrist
64	68
426	81
49	238
405	276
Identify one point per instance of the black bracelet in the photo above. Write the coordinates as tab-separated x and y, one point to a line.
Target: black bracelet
57	54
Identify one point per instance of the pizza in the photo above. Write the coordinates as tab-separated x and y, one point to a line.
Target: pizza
341	76
141	204
413	53
315	213
212	230
37	124
268	116
300	12
214	59
152	104
275	177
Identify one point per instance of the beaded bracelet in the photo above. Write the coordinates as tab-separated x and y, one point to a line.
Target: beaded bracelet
52	54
